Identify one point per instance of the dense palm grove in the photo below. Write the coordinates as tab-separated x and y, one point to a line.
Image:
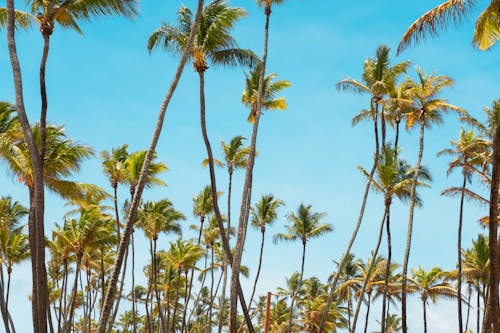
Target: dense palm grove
86	276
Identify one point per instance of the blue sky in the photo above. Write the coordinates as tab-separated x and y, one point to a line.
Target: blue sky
106	89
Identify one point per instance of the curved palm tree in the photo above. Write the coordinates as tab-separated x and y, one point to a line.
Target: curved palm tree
486	32
467	153
213	43
430	285
263	214
303	225
427	108
270	90
379	79
132	212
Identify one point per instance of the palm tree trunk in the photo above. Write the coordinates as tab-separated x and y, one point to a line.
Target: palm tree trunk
299	285
173	328
69	322
478	310
189	290
43	93
469	296
118	297
222	300
218	216
184	326
349	313
117	215
491	321
9	272
410	226
247	192
134	301
3	309
425	316
368	303
396	139
388	264
258	269
37	237
108	302
369	272
63	295
459	255
156	291
210	307
103	275
343	261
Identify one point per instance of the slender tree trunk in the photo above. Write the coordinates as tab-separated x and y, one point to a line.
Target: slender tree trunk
210	306
3	308
368	303
478	310
69	322
349	307
369	272
247	191
117	214
410	225
263	230
173	328
119	295
217	213
388	264
469	296
343	261
62	296
108	302
103	275
37	238
222	301
9	272
299	285
425	316
189	290
134	301
459	255
396	139
43	89
156	291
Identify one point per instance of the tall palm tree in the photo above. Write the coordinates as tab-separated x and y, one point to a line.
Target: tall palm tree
486	32
430	285
155	218
213	43
394	178
427	109
263	214
346	289
467	153
379	78
132	212
303	225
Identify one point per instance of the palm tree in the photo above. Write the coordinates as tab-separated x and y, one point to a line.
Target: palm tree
183	256
346	289
132	212
486	32
476	261
155	218
379	79
114	167
468	155
394	178
263	214
270	90
213	43
303	225
427	109
430	285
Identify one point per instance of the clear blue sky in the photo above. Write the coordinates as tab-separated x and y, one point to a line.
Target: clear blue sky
106	89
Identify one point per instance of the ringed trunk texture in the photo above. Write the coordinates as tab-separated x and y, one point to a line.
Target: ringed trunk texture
132	214
410	225
333	286
37	238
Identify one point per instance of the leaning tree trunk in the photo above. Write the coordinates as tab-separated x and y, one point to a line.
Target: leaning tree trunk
369	272
218	216
410	225
69	321
368	304
247	188
46	29
354	235
108	302
37	237
263	230
459	255
3	308
222	301
226	263
299	285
